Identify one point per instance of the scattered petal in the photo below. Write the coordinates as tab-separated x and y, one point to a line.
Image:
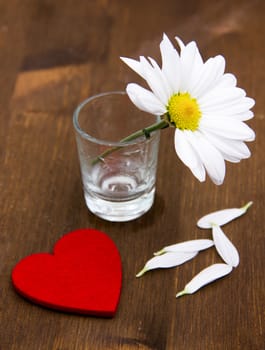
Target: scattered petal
188	246
225	247
206	276
167	260
222	217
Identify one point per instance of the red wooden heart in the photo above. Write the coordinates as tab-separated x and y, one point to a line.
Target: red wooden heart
83	275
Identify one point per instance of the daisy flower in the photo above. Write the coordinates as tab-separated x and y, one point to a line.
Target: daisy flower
200	101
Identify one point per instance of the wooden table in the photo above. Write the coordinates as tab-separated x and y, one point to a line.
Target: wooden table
54	54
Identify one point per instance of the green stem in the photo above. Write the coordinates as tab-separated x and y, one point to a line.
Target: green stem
143	132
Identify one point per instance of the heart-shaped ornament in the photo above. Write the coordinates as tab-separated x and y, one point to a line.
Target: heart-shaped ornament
83	275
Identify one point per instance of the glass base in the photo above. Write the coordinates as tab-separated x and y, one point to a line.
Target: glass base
120	211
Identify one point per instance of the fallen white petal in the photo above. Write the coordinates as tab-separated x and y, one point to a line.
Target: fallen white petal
225	247
222	217
167	260
188	246
205	277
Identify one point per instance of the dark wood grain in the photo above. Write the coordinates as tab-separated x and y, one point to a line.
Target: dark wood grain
53	54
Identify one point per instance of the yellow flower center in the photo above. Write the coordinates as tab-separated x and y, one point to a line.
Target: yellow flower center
184	112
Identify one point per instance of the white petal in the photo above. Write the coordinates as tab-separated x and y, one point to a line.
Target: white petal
210	74
224	112
222	217
225	247
239	106
167	260
180	43
221	96
195	75
243	116
153	79
188	155
210	157
134	65
164	82
228	128
191	63
191	66
145	100
188	246
170	63
227	80
231	150
153	76
205	277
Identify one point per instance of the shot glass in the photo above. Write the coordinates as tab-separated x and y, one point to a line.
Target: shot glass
118	176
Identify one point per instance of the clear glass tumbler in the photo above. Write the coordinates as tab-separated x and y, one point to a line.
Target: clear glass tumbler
118	177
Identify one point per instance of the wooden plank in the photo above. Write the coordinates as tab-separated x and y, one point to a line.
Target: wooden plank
53	55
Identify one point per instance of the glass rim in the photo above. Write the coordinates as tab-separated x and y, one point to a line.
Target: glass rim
88	137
